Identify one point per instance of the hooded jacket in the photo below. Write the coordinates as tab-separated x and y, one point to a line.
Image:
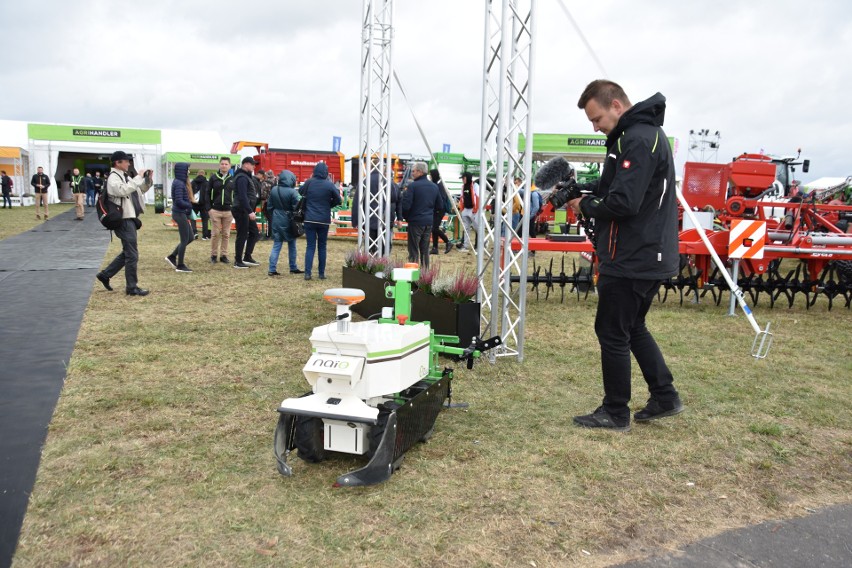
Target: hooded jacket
180	195
282	201
634	203
320	196
243	188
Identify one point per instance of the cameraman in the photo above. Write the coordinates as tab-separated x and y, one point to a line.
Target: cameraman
635	212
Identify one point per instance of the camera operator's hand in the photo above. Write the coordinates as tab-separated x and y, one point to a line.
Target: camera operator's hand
575	204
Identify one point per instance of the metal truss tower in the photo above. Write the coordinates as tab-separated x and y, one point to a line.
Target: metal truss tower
374	128
508	71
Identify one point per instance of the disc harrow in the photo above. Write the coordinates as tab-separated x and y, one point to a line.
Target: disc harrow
581	280
834	283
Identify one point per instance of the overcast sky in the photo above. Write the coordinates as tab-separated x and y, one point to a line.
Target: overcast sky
768	75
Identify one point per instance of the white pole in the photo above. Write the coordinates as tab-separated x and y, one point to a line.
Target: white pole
762	339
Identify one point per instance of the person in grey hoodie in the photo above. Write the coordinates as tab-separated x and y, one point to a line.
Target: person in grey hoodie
181	211
281	203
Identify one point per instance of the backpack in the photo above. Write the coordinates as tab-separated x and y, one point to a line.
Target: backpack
109	214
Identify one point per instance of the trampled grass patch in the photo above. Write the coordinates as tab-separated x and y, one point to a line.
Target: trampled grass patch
160	450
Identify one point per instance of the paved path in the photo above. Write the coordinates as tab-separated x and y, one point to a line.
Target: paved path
820	540
46	278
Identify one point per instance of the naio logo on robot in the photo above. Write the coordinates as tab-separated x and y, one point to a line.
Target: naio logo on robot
330	363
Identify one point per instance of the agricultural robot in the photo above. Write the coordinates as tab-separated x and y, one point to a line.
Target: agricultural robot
377	386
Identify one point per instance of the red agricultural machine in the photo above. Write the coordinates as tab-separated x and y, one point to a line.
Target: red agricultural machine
806	242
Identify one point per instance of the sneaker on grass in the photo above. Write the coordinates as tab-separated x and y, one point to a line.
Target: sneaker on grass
600	418
656	409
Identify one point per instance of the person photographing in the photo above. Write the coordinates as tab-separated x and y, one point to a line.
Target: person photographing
128	193
634	208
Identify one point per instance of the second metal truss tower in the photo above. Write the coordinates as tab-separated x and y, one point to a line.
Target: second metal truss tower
508	71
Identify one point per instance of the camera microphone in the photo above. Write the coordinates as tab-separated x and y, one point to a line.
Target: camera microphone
555	170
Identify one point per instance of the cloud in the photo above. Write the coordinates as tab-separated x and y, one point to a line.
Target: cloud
767	75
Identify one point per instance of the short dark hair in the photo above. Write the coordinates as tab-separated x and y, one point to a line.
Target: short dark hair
225	159
603	92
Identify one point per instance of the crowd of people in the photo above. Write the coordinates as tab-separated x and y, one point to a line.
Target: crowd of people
234	193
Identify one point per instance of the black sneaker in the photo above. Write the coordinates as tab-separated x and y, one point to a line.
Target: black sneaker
137	291
295	271
656	409
250	261
104	280
224	260
273	273
240	265
213	260
449	248
182	268
600	418
172	260
433	251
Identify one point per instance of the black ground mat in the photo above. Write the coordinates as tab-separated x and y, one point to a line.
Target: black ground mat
46	278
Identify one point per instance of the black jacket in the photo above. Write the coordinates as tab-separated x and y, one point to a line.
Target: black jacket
40	179
201	190
634	203
243	185
220	196
421	201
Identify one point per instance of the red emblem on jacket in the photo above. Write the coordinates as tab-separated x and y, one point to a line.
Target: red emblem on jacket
625	164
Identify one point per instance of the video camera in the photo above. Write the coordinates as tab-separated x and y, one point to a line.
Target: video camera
563	192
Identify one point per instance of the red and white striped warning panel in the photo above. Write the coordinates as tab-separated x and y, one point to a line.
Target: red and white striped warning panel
747	239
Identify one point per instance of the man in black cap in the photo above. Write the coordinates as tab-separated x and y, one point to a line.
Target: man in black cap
242	208
128	194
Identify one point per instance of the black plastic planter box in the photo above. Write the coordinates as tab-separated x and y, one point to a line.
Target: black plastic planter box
446	317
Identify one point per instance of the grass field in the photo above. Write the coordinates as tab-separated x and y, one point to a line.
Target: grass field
160	450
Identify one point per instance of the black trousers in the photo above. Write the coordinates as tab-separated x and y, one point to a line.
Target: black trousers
438	233
418	244
184	224
128	258
247	234
623	304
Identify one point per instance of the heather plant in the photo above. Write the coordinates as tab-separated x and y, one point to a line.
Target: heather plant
462	287
383	265
359	260
364	262
427	279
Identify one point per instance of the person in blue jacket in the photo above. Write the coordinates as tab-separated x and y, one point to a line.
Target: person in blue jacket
420	202
181	210
281	203
320	196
